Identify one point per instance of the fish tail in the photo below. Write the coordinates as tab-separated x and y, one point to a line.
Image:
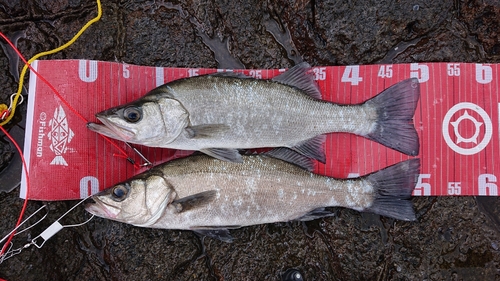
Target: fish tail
393	187
59	160
395	109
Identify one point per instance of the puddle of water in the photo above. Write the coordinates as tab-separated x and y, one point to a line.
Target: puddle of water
220	48
398	49
282	35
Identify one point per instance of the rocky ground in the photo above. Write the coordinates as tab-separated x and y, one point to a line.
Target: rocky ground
454	238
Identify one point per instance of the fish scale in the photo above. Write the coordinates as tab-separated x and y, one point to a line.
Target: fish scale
203	193
274	105
220	113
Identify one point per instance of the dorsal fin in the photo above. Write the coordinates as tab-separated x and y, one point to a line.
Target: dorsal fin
299	77
230	74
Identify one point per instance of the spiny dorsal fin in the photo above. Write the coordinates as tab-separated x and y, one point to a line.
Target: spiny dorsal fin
230	74
299	77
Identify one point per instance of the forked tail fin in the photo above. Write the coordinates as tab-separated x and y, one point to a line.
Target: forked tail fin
59	160
395	109
393	188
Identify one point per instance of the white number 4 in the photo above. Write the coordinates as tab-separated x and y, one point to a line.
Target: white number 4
351	75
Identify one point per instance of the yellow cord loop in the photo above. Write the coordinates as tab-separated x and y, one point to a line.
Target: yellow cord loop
25	68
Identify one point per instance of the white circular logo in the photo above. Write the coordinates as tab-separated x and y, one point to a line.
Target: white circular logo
477	127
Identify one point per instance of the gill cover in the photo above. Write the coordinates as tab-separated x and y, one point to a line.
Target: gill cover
140	201
175	118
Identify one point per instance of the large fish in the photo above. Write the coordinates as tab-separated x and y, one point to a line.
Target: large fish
220	113
209	196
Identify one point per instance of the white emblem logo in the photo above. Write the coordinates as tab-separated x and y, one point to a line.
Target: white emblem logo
60	134
477	128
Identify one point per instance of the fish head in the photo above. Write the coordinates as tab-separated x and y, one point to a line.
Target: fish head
146	122
140	201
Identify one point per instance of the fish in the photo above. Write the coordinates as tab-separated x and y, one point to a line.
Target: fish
60	136
222	113
210	196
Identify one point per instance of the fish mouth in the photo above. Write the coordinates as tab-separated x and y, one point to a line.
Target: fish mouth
110	129
100	209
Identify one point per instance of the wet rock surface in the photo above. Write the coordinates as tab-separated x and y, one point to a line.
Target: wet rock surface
454	238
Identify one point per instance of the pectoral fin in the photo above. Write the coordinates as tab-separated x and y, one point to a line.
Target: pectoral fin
225	154
206	131
194	201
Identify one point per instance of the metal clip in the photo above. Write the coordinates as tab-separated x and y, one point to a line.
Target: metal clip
12	100
12	252
56	226
40	240
24	221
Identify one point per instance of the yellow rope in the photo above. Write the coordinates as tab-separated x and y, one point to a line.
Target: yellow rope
25	68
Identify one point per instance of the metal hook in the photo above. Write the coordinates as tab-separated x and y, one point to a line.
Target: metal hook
147	162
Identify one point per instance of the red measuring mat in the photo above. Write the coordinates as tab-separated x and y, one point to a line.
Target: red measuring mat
456	119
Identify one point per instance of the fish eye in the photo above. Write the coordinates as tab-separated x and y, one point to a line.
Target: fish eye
120	192
132	114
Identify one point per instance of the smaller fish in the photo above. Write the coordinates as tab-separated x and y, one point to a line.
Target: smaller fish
210	196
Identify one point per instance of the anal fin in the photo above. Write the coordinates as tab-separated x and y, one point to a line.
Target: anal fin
221	234
225	154
316	214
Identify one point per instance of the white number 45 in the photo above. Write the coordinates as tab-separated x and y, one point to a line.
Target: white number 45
385	71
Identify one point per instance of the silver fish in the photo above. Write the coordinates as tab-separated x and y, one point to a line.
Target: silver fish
220	113
210	196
